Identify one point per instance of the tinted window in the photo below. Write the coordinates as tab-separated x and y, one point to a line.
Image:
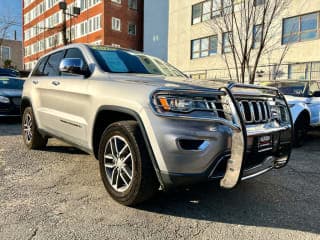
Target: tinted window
52	66
11	83
75	53
38	71
122	61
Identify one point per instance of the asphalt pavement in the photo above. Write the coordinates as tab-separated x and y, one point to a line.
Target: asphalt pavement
56	193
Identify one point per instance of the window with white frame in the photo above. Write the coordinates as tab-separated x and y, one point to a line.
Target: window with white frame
133	4
5	53
132	29
226	42
116	1
116	24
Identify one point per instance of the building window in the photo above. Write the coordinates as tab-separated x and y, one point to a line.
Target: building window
204	47
116	24
196	13
226	42
132	29
209	9
301	28
257	35
116	1
259	2
5	53
133	4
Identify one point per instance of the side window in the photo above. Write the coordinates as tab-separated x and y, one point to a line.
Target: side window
38	70
52	66
75	53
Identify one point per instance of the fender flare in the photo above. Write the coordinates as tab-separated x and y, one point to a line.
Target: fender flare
136	116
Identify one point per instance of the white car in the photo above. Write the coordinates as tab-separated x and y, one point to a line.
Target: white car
303	98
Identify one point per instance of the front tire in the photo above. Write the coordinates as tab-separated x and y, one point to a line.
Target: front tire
125	167
31	136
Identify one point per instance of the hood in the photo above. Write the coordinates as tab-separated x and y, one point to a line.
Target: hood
10	92
169	82
294	100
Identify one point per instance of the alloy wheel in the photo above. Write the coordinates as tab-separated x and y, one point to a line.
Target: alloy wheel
118	163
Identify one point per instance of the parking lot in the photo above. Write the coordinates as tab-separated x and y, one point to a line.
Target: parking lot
57	193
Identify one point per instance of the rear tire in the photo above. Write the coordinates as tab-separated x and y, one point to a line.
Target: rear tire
125	166
300	131
31	136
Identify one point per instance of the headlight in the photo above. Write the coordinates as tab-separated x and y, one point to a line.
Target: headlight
184	104
4	99
280	113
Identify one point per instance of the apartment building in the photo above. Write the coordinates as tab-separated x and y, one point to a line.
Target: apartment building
11	50
192	44
195	47
110	22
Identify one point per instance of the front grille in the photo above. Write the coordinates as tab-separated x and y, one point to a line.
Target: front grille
255	111
16	101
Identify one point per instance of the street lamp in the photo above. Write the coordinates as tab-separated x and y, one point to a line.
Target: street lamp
75	13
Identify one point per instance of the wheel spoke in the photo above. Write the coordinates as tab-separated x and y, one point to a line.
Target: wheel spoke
127	171
122	150
109	165
116	146
126	158
113	176
109	156
117	179
124	179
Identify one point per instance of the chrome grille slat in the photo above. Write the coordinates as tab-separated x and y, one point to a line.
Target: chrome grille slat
254	111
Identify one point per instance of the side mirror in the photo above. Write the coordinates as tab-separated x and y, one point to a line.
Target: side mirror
72	66
316	94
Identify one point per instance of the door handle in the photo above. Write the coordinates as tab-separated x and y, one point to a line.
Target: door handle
35	81
56	83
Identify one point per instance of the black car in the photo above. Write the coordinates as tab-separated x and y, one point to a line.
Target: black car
10	96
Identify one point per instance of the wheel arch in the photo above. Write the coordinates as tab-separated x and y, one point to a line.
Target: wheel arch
304	114
107	115
25	102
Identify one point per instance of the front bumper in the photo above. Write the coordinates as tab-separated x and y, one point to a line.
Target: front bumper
230	153
9	110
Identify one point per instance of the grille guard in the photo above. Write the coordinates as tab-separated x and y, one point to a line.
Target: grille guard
235	164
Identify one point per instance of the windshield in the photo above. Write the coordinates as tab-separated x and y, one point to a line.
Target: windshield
11	83
125	61
297	89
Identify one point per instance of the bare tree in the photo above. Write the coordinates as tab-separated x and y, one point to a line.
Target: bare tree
249	30
6	23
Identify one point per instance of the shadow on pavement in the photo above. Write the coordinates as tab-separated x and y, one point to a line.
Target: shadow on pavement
279	199
64	149
251	203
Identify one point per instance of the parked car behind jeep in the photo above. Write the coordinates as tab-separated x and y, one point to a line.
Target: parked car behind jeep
304	101
151	126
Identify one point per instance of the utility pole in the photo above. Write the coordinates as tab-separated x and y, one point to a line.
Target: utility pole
76	12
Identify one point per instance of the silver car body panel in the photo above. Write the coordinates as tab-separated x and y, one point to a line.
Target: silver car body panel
66	107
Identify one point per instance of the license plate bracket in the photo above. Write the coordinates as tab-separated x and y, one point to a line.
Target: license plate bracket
265	143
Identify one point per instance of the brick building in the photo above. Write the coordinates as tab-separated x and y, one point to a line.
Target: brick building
11	50
110	22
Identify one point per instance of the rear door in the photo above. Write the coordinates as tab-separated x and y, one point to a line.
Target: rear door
46	81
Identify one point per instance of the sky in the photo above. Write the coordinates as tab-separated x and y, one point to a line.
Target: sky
12	8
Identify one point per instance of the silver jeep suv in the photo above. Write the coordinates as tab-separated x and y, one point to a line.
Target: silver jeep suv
149	125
